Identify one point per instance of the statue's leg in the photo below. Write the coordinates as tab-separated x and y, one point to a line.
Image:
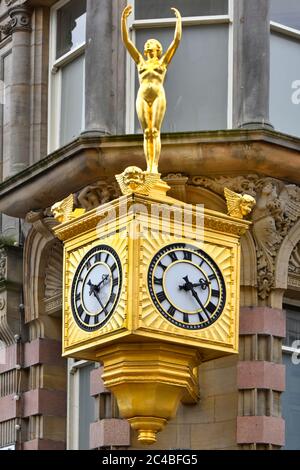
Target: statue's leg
144	112
159	110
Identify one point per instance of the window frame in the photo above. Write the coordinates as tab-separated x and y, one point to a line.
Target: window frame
73	402
135	25
55	79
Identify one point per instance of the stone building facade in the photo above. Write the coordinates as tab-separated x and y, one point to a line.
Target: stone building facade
67	127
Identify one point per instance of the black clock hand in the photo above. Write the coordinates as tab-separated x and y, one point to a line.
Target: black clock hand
96	294
196	296
189	287
95	291
105	277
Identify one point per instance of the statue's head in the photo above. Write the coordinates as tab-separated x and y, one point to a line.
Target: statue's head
58	212
133	177
246	205
152	49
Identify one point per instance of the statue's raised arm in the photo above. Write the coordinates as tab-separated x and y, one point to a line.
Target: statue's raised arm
176	41
135	54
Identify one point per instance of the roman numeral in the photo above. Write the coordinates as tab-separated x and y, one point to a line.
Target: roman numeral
87	320
172	311
88	264
98	257
77	298
113	267
186	318
158	282
162	266
212	277
211	308
202	263
112	298
188	256
115	282
161	296
107	258
80	310
215	293
173	256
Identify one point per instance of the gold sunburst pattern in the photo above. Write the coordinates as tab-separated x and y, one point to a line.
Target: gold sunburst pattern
222	335
75	338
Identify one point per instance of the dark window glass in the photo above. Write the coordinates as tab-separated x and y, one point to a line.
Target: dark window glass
71	24
286	12
197	81
291	404
149	9
292	327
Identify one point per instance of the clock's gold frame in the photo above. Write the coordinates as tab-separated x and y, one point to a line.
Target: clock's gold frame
145	356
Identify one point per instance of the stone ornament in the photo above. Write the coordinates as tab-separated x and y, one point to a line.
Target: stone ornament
3	264
20	19
276	212
238	205
96	194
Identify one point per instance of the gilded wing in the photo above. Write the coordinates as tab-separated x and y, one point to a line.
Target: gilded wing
150	181
62	211
233	203
124	188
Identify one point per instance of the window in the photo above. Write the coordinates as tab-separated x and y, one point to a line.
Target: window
6	66
199	81
67	63
285	66
291	397
81	406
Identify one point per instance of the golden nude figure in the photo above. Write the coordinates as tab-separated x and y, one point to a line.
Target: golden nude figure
151	99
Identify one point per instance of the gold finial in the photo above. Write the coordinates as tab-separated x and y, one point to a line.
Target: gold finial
151	99
238	205
64	211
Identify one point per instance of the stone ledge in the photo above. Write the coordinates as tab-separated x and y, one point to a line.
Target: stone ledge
261	375
110	432
43	444
260	430
43	351
263	321
44	402
92	157
9	408
96	383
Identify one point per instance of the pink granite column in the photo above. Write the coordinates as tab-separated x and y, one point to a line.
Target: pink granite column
261	379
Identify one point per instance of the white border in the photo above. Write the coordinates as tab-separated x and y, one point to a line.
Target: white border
55	80
135	25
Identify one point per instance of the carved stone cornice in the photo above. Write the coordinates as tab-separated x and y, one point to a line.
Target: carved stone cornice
277	211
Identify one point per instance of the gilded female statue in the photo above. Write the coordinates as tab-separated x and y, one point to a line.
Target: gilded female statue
151	99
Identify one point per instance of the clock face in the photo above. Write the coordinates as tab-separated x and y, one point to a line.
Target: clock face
186	286
96	288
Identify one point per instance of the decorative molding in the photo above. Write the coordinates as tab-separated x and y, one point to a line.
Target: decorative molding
276	212
3	264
